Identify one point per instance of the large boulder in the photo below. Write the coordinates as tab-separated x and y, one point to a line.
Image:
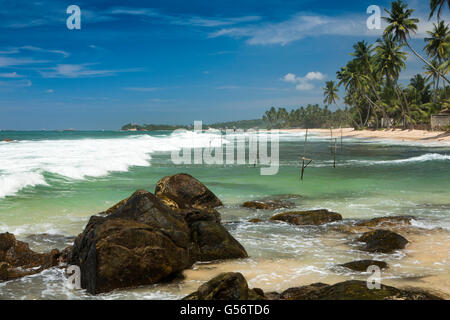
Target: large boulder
362	265
142	242
184	191
312	217
226	286
354	290
18	260
384	241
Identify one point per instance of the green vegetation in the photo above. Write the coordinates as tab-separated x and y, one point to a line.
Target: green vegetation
312	116
370	79
242	124
151	127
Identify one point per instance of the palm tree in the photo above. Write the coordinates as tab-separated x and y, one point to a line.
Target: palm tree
438	45
434	75
389	62
437	4
400	25
330	92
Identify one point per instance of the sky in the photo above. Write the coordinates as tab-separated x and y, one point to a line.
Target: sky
173	62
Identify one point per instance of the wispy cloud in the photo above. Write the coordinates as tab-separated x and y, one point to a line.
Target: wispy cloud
37	49
79	71
9	62
16	83
11	75
184	20
306	82
144	89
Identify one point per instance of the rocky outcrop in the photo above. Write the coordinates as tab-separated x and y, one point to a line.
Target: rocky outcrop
183	191
142	242
386	221
267	204
226	286
256	220
384	241
7	140
18	260
354	290
362	265
312	217
233	286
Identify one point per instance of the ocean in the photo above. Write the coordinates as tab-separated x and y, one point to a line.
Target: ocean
52	182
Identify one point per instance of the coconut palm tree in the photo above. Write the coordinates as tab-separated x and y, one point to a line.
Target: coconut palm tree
330	92
433	75
401	25
389	62
438	45
437	5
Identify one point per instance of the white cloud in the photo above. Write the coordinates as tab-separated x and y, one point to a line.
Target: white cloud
79	71
16	83
50	91
304	83
8	62
10	75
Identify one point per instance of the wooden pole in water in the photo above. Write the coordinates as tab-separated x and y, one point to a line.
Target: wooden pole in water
304	156
334	153
341	137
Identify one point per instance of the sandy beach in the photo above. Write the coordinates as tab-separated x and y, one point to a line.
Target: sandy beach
397	134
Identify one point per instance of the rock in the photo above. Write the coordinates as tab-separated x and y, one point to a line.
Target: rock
226	286
184	191
18	260
354	290
384	241
313	217
310	292
7	140
211	241
267	204
255	220
362	265
386	221
143	242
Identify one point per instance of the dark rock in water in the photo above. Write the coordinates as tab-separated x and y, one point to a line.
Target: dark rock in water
18	260
310	292
267	204
354	290
7	140
255	220
386	221
313	217
184	191
226	286
211	241
362	265
384	241
143	242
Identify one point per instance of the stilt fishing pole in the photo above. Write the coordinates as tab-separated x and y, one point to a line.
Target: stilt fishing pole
304	156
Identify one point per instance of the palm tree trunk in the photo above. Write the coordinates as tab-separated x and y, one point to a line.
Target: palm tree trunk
425	61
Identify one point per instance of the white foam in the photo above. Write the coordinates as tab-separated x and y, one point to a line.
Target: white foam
24	163
422	158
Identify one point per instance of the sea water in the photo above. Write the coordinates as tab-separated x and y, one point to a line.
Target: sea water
52	182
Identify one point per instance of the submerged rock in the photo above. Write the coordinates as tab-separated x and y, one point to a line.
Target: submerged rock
386	221
7	140
255	220
384	241
226	286
310	292
142	242
267	204
312	217
18	260
362	265
184	191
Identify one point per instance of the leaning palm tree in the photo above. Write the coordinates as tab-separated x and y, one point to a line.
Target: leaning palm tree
433	75
438	45
437	5
401	25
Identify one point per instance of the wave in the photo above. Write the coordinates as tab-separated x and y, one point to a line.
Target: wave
422	158
24	163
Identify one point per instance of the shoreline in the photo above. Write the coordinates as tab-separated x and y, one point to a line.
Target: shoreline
394	134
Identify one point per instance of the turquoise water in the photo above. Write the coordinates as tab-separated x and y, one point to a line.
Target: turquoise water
52	182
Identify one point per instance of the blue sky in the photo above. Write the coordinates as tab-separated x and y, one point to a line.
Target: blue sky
174	61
